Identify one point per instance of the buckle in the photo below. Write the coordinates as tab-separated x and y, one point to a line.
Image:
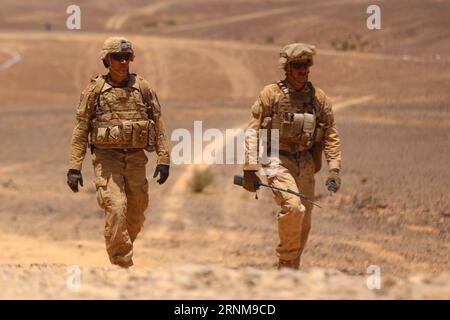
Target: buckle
128	150
122	150
296	155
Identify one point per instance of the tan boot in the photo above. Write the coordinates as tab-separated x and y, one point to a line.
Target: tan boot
290	264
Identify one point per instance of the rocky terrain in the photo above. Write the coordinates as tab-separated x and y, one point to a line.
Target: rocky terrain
208	60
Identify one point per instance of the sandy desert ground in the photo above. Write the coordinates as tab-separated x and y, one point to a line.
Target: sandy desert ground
208	60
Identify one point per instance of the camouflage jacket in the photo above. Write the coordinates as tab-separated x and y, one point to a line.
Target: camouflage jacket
262	108
86	112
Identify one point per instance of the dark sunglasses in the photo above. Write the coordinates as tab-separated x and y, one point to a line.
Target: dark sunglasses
121	56
300	65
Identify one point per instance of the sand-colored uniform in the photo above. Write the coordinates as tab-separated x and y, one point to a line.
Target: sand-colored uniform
296	170
120	175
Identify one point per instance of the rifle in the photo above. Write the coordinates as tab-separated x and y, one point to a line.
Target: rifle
238	180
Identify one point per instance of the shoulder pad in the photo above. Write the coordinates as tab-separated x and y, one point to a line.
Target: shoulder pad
144	83
138	77
272	88
320	95
90	87
95	78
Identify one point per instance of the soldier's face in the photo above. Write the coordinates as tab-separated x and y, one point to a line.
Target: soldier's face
297	73
119	63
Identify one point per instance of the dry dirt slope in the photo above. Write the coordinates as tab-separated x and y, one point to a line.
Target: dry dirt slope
188	281
390	211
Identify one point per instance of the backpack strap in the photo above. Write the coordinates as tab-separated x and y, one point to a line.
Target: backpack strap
285	91
146	97
99	83
315	102
283	87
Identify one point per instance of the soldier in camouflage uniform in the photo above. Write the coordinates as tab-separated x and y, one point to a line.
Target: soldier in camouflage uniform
119	117
303	115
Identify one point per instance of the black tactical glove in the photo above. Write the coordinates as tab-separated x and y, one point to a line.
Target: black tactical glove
251	181
334	181
73	178
163	171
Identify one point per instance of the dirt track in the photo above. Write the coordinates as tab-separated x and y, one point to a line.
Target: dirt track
392	210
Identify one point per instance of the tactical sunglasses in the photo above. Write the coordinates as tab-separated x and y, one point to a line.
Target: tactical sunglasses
301	65
121	56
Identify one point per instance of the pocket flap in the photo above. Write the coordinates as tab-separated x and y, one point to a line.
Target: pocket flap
298	123
101	133
114	132
309	123
100	182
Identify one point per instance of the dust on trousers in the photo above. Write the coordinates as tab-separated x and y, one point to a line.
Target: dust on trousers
122	191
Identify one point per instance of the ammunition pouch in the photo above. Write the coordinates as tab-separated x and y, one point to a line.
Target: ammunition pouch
298	128
118	133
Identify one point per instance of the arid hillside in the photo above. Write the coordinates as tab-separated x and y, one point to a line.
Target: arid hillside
208	60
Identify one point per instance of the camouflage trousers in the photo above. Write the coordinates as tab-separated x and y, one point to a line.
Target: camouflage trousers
294	217
122	191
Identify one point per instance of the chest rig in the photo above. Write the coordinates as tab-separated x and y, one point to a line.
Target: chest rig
295	117
122	116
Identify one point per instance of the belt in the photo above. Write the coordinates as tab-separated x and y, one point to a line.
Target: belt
127	150
121	150
295	155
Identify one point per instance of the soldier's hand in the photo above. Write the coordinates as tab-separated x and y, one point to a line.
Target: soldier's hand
163	171
251	181
73	178
334	181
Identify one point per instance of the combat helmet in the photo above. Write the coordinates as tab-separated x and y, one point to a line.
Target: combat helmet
115	44
297	51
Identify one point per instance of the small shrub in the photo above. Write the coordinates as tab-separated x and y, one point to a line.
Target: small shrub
201	179
269	39
151	24
351	42
170	23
